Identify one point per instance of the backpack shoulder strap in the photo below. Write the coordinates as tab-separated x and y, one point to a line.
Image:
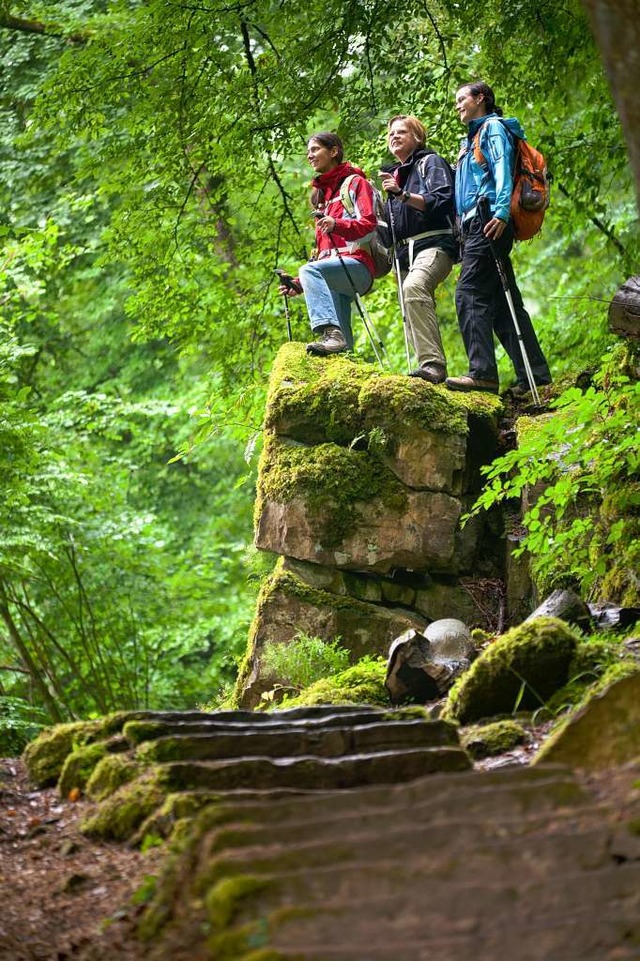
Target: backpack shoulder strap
345	196
478	155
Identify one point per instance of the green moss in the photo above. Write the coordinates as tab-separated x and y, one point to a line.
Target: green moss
316	401
45	756
111	773
138	731
224	899
79	765
488	740
361	684
521	669
599	660
330	479
122	813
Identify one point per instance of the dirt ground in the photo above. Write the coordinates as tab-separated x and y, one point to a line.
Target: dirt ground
56	886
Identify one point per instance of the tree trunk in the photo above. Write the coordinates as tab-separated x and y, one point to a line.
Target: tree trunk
616	28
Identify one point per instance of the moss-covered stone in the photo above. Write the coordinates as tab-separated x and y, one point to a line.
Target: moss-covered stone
521	669
330	479
316	401
361	684
604	732
224	899
45	756
138	731
79	766
111	773
488	740
119	816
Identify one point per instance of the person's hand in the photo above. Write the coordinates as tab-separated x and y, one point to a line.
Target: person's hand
389	182
494	228
288	291
326	224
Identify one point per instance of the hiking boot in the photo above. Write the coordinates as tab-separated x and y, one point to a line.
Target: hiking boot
331	342
432	373
466	383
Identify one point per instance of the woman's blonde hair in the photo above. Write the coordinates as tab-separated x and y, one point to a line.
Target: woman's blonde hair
415	126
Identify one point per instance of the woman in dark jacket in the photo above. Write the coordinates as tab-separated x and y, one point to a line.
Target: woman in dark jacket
421	203
341	267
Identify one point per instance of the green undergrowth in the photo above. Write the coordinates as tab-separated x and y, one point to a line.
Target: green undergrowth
363	683
580	468
304	660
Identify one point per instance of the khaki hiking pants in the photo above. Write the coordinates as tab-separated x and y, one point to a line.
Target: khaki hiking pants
429	268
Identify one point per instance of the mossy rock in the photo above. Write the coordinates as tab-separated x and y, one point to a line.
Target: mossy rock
604	732
111	773
45	757
519	670
361	684
79	766
341	398
489	740
122	813
329	479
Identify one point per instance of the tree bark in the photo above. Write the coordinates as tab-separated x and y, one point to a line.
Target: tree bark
616	28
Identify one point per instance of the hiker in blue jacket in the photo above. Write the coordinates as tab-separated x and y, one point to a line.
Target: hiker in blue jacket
480	299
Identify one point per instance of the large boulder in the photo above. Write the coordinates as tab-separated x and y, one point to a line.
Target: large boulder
520	669
288	606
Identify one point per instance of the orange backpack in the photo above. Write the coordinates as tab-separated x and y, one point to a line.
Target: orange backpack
530	196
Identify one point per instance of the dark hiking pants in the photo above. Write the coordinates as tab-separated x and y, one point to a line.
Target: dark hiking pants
483	309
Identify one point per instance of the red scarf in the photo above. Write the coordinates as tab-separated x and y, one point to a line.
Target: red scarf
329	182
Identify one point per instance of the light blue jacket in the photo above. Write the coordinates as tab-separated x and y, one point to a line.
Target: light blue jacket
496	180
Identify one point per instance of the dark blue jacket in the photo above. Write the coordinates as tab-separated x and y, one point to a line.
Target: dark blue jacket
428	174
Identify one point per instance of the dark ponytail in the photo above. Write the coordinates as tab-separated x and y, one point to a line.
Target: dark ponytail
480	87
329	140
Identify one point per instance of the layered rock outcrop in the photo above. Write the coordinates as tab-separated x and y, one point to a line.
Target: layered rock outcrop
364	480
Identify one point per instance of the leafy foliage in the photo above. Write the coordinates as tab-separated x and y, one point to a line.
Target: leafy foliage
152	175
580	469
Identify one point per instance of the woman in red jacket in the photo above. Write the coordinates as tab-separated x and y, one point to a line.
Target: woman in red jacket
341	268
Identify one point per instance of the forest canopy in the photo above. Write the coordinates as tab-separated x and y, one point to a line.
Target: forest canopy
153	175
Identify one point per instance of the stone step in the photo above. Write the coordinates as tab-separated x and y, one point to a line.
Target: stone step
495	902
465	826
299	741
574	912
313	773
583	937
148	725
407	851
515	792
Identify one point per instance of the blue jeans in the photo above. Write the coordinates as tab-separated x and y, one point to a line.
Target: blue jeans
329	292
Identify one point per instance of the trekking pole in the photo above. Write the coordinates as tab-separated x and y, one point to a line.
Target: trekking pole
362	310
483	213
288	282
396	264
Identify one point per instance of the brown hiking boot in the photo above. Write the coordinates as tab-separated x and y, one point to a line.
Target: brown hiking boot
466	383
432	373
331	342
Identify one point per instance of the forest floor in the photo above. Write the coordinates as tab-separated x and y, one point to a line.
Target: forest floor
56	885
